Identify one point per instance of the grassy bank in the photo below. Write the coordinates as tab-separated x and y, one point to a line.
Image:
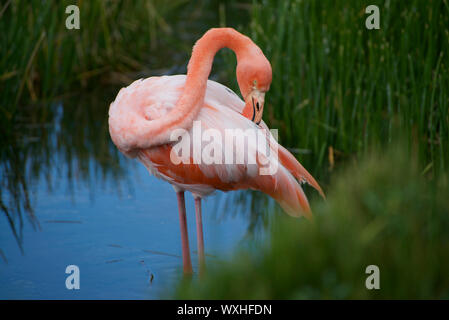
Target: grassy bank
381	212
337	84
41	58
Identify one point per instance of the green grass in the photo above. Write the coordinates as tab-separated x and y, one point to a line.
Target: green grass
40	58
337	84
381	212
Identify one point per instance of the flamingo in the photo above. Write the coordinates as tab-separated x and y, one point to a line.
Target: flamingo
143	116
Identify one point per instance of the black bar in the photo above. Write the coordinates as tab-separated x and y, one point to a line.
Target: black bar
231	309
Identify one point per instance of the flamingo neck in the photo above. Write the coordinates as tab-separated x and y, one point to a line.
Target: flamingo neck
200	65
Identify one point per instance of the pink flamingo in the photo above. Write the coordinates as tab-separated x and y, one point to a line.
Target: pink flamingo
144	114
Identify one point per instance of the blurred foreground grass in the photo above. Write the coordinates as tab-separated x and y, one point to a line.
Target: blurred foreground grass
381	212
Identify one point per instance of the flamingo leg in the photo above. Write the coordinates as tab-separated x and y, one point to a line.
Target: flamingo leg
199	236
187	263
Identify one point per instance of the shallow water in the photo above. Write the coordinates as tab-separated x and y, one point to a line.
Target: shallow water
98	210
118	242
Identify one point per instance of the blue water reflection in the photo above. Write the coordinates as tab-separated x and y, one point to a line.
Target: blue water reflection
119	240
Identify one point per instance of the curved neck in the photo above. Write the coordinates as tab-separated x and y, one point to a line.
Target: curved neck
158	132
200	64
205	49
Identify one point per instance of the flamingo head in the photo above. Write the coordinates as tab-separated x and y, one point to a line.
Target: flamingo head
254	79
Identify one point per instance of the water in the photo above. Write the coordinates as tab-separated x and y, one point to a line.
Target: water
117	241
98	210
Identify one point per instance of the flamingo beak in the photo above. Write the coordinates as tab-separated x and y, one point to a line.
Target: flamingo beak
254	105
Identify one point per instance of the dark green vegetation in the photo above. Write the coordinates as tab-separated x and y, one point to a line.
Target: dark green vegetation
382	211
40	58
337	84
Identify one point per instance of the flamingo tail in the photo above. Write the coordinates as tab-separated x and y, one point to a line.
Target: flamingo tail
284	188
297	170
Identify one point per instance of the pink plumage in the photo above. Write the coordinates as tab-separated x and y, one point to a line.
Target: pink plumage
144	115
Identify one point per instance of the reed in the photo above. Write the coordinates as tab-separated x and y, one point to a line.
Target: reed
339	88
41	58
